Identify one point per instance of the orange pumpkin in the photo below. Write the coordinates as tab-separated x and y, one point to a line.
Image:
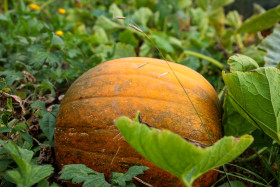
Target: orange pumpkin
85	131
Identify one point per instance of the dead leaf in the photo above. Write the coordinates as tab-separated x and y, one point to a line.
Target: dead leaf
46	155
4	96
30	78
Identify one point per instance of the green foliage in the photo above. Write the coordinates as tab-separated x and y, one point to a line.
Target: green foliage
255	95
169	151
242	63
37	66
79	173
47	121
27	174
234	123
261	22
269	44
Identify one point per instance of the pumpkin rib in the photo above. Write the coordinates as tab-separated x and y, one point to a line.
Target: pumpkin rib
182	70
176	87
157	63
139	75
114	96
163	79
84	150
129	74
80	104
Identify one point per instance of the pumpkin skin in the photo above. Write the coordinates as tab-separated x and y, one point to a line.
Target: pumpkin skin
85	132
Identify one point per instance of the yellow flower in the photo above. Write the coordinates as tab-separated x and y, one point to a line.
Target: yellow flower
34	7
61	10
59	33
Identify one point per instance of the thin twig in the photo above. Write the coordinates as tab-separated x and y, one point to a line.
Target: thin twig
142	65
143	182
163	74
37	141
120	17
115	155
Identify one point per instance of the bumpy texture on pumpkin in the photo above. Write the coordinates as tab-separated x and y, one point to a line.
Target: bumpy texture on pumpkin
85	132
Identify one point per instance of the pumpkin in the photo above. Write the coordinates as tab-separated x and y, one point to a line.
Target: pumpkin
85	131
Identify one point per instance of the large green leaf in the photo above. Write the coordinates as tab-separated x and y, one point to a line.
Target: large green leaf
255	95
242	63
271	45
234	124
176	155
261	22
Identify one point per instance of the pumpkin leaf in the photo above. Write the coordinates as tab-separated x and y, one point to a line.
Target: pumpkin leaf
142	16
220	3
261	22
79	173
255	96
127	37
242	63
162	41
176	155
256	54
270	45
123	50
234	124
233	19
203	4
114	10
184	4
107	24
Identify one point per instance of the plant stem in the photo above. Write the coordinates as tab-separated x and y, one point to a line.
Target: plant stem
209	59
5	6
239	41
252	156
220	95
186	183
